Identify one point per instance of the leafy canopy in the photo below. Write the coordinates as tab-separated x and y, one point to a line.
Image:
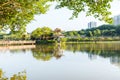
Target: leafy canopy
40	32
16	14
97	8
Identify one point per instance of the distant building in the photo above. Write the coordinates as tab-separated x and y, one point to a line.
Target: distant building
92	25
116	20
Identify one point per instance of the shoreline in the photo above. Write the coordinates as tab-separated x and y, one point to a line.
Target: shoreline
30	42
94	42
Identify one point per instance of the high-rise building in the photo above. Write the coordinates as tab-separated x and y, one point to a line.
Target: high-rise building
92	25
116	20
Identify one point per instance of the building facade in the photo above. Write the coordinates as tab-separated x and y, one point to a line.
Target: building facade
92	25
116	20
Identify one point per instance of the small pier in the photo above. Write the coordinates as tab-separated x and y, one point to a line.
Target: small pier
17	42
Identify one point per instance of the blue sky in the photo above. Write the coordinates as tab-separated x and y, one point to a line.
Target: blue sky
59	18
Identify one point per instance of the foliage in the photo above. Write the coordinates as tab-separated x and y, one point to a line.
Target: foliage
47	52
16	36
45	41
72	34
118	30
63	39
43	33
19	76
16	14
101	49
90	34
101	31
97	8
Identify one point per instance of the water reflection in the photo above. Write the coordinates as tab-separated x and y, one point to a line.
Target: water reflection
46	52
102	56
105	50
16	48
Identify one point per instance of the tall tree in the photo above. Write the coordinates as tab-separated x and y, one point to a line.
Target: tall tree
90	34
46	33
36	33
98	32
15	14
42	33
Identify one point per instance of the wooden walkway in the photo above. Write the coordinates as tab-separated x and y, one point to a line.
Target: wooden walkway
16	47
16	42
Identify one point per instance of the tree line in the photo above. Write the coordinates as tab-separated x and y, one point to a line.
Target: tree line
103	32
100	31
39	34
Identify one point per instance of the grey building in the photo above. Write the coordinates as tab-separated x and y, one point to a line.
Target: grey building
116	20
92	25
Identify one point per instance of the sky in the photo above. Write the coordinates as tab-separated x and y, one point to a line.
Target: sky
59	18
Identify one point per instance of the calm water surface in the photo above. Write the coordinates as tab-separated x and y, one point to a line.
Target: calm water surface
99	61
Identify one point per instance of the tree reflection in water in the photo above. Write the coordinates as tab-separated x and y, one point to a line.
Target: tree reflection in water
18	76
46	52
49	51
110	51
105	50
101	49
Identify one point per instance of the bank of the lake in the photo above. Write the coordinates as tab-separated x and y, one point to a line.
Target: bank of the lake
94	42
37	42
54	41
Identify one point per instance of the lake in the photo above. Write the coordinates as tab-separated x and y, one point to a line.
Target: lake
72	61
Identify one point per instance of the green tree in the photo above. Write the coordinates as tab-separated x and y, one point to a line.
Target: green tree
97	8
82	32
91	34
71	34
118	30
98	32
42	33
46	32
36	33
18	76
47	52
15	14
95	32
